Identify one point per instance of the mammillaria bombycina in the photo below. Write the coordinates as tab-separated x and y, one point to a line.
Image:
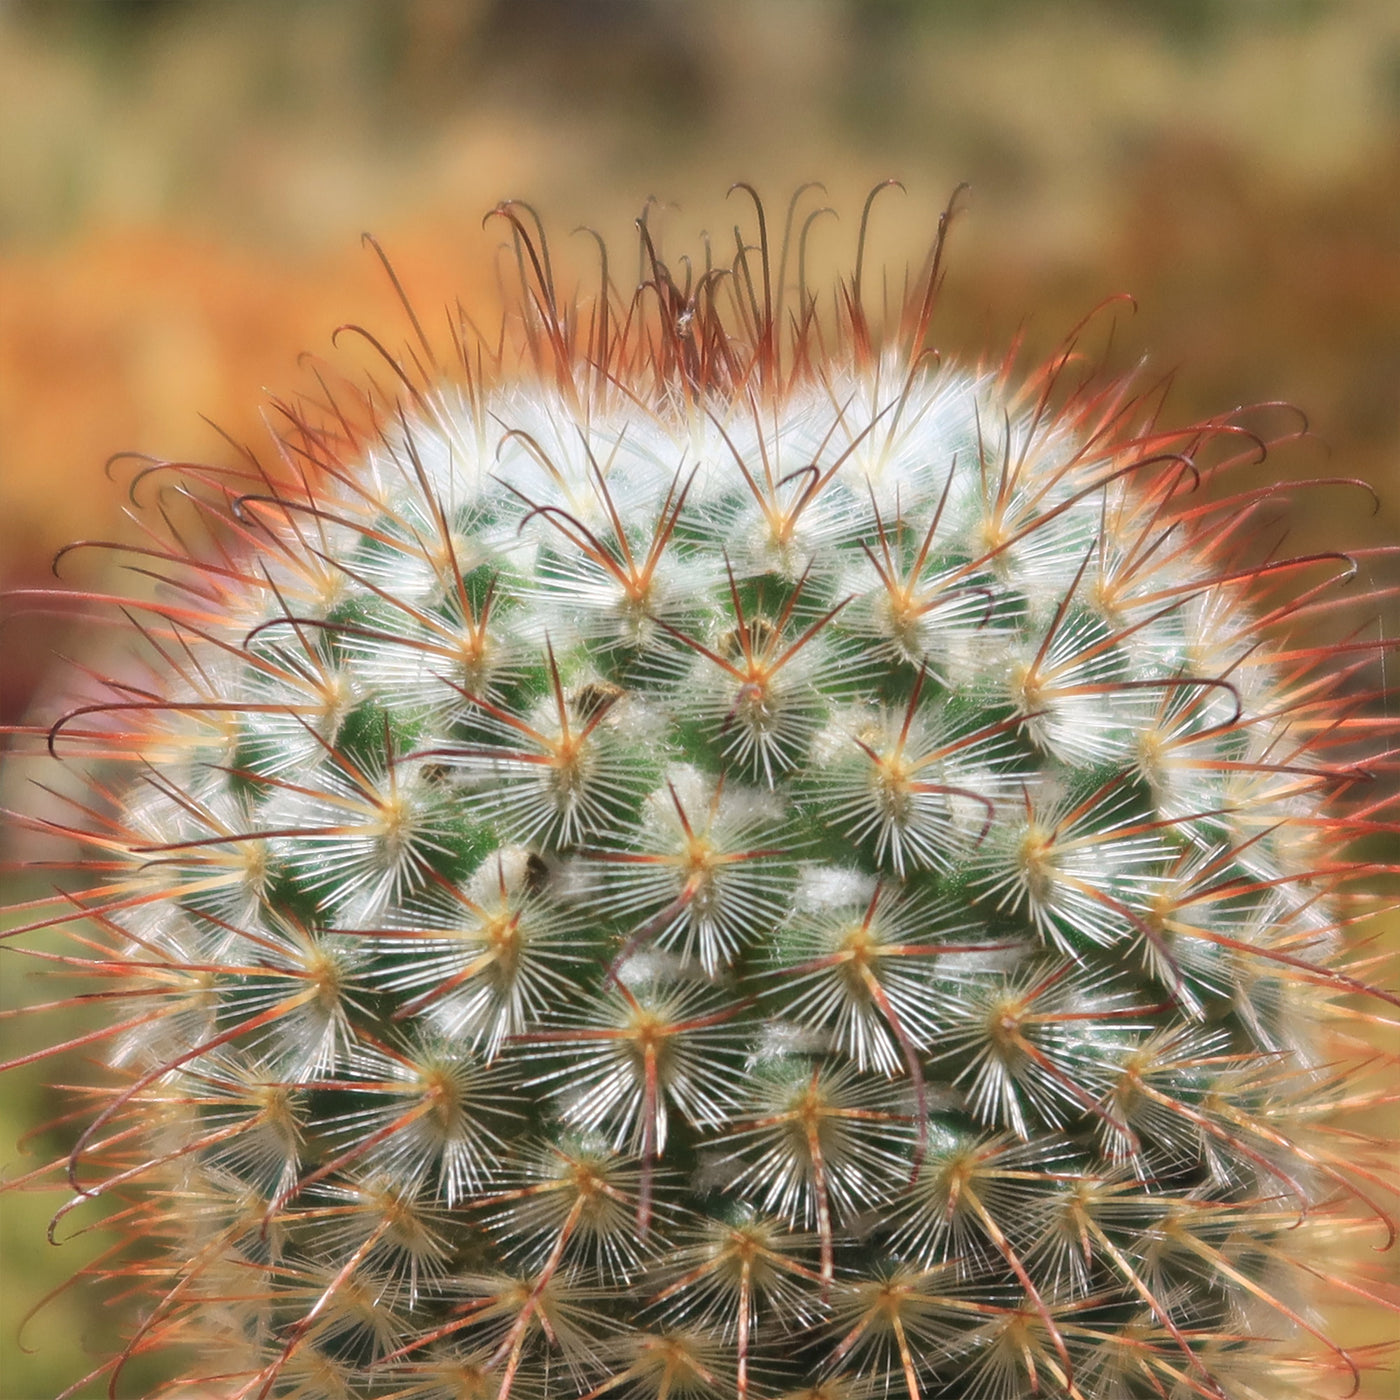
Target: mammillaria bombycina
689	848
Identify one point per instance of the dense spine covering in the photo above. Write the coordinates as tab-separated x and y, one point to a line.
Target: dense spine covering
697	851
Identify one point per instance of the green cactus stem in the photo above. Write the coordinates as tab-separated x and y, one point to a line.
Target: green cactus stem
691	849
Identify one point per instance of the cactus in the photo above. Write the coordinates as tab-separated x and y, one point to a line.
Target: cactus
690	849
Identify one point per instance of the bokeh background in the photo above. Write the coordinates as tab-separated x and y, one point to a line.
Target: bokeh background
183	184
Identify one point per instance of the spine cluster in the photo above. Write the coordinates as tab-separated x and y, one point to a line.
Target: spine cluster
722	857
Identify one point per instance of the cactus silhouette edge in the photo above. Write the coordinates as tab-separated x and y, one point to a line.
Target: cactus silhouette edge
688	848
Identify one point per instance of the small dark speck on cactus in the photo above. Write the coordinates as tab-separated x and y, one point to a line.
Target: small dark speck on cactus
686	847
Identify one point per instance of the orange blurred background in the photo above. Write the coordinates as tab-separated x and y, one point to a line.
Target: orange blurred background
183	184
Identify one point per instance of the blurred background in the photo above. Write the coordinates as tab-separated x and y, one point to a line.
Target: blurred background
183	184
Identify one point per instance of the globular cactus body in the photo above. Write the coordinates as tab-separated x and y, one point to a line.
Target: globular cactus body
708	861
